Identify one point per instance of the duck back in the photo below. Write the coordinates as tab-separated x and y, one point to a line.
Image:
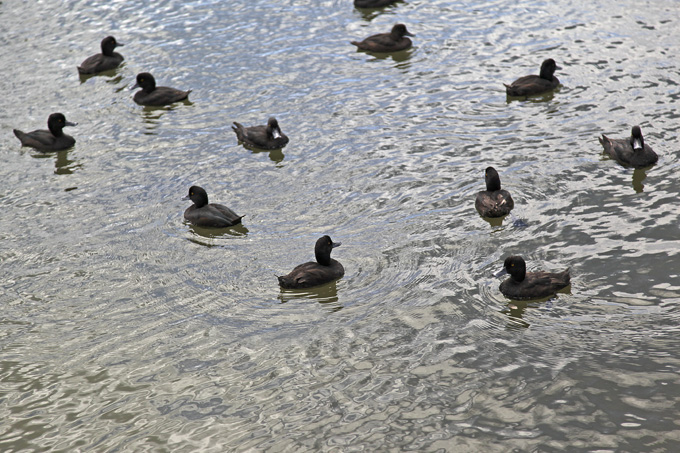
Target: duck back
213	215
536	285
496	203
393	41
160	96
43	140
100	63
107	59
311	274
535	84
531	85
373	3
263	137
622	151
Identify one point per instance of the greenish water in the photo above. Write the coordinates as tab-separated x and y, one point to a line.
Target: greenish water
125	329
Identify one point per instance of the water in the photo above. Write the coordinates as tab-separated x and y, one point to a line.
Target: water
124	329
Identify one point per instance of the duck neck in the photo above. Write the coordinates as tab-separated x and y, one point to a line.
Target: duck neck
56	130
107	49
323	259
638	144
519	273
546	73
493	183
199	203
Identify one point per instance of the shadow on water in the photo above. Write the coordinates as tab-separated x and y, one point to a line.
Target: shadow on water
536	98
62	164
515	312
152	114
275	155
113	74
515	309
368	14
498	221
210	233
494	221
402	56
326	295
639	175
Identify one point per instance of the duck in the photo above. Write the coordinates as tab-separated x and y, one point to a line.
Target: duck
630	151
523	285
310	274
152	95
393	41
53	139
535	84
104	61
494	201
373	3
263	137
211	215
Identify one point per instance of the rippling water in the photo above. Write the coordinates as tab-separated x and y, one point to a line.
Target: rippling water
125	329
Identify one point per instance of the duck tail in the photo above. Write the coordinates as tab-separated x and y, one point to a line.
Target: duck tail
566	275
509	90
240	131
604	140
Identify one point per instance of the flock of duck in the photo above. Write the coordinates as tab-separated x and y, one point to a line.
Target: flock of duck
494	202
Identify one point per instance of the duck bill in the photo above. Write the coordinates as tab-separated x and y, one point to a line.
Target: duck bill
70	123
408	33
186	198
136	85
336	244
501	272
637	144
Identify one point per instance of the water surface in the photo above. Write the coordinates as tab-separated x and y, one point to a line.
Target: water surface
125	329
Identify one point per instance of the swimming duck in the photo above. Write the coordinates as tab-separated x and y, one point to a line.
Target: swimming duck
494	201
152	95
373	3
309	274
104	61
630	151
523	285
53	139
263	137
387	42
535	84
212	215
